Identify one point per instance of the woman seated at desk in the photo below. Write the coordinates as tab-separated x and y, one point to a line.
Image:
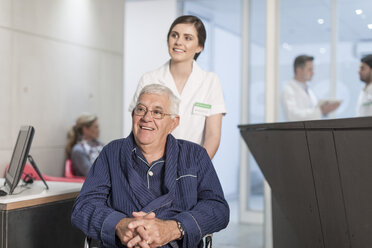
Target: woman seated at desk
83	146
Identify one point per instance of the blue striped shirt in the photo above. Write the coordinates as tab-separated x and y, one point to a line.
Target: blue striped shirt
190	192
153	175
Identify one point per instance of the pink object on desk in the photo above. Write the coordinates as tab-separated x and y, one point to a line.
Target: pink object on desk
29	170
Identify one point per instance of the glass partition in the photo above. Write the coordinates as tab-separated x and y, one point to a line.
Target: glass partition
354	42
256	95
305	29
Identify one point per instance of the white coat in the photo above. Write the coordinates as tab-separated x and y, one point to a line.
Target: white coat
299	105
364	105
201	97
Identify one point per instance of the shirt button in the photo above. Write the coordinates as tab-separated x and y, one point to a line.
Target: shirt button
151	173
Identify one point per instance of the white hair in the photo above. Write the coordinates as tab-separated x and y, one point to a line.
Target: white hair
159	89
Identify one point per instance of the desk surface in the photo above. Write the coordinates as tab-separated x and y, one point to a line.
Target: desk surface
36	194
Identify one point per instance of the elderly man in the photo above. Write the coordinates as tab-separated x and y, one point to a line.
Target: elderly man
150	189
364	106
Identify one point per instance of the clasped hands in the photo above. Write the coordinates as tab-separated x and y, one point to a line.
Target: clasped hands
146	231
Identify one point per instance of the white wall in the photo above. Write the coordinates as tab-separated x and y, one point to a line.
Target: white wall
145	44
59	58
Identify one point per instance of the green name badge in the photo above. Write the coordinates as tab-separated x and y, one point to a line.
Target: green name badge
201	109
366	104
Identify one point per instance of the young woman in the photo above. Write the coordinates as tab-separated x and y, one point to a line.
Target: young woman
83	146
201	100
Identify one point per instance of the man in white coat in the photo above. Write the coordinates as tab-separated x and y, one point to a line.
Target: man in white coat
298	100
364	106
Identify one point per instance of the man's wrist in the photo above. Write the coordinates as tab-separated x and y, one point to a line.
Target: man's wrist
180	229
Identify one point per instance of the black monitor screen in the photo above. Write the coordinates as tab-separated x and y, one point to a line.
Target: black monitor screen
19	157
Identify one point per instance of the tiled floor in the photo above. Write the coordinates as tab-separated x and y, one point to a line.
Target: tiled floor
238	235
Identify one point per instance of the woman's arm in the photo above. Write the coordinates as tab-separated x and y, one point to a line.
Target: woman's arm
80	161
212	135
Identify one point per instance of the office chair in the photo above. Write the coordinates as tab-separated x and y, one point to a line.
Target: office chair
69	170
88	243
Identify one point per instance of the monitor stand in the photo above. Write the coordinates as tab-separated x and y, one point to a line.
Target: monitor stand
32	162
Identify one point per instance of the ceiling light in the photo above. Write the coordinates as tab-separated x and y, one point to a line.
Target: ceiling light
320	21
370	26
286	46
358	11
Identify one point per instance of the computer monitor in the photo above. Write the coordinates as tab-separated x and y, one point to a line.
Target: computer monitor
19	157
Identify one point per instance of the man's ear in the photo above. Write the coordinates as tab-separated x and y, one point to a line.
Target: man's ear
175	122
297	70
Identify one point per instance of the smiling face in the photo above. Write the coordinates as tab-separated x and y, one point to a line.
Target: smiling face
152	132
183	43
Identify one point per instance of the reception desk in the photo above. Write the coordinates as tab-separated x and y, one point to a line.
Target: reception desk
36	217
320	175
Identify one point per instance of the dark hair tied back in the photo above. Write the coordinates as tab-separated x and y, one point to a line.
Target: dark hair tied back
198	24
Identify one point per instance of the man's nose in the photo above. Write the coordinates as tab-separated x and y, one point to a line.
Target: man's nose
147	116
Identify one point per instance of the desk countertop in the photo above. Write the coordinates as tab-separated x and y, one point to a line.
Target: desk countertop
36	194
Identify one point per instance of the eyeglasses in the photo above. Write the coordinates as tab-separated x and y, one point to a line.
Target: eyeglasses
142	110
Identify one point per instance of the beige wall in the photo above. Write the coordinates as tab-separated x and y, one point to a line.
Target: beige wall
59	58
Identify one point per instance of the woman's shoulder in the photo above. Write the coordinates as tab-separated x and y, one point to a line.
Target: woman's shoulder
206	75
77	148
98	143
158	72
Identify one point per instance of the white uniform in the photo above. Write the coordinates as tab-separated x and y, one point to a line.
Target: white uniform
364	106
201	97
299	104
